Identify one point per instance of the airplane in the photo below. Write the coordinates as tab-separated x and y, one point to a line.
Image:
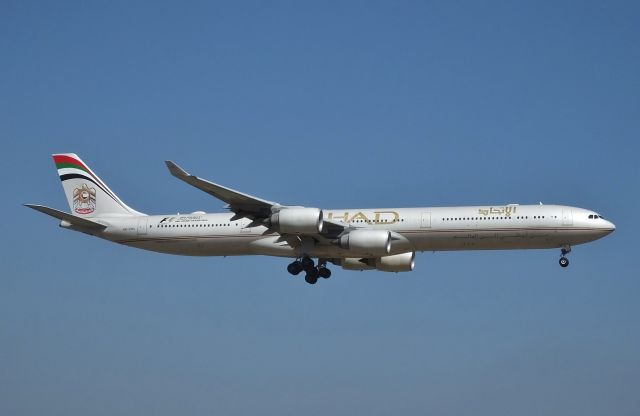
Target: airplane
384	239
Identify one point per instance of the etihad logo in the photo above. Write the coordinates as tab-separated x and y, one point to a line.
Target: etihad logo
84	199
506	210
377	217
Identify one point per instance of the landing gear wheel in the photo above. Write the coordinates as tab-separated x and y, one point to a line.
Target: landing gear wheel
564	262
311	277
295	268
324	272
307	263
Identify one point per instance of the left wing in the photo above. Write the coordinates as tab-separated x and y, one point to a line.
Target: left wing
242	204
258	210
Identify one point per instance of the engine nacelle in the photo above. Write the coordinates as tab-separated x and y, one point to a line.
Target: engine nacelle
367	242
397	263
355	264
297	221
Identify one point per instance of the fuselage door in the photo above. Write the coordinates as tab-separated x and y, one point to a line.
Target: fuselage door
567	216
142	225
426	220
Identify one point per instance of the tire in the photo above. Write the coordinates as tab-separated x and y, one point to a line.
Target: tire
324	272
307	263
311	279
564	262
294	268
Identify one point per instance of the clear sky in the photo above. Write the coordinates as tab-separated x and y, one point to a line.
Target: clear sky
329	104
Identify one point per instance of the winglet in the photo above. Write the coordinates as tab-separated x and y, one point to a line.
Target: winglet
176	170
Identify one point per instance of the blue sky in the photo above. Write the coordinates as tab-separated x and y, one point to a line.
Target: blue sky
330	104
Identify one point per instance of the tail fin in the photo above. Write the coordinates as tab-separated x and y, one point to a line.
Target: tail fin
87	195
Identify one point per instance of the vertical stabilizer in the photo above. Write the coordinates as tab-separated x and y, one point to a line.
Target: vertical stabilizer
87	195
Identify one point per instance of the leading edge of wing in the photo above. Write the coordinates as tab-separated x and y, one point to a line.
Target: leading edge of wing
237	201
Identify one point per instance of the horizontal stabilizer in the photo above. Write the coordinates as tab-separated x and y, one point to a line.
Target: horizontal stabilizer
71	219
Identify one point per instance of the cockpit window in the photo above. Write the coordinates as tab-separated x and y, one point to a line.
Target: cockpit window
595	216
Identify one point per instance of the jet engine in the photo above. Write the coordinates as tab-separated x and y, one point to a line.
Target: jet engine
403	262
355	264
397	263
368	242
297	221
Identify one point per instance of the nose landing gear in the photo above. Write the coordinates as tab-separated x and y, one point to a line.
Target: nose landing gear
312	272
564	262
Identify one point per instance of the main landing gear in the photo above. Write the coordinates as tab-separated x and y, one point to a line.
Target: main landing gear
564	262
312	272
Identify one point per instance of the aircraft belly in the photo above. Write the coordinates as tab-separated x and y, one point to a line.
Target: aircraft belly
440	240
433	239
271	246
212	245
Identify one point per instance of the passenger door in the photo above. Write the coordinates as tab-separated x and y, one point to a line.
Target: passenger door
426	220
142	225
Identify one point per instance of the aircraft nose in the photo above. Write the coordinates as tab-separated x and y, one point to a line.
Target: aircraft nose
609	227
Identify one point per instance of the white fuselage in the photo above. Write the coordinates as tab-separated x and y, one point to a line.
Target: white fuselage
416	229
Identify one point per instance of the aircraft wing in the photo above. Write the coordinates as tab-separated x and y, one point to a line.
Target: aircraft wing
242	204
